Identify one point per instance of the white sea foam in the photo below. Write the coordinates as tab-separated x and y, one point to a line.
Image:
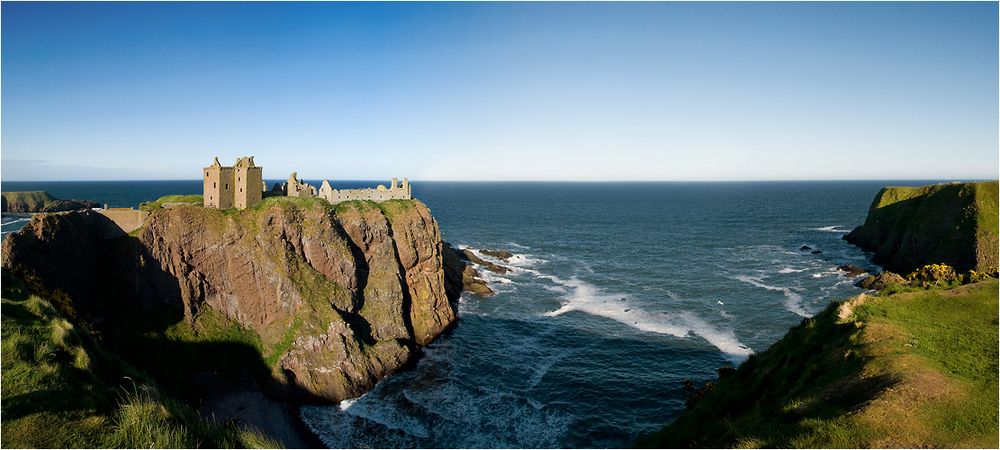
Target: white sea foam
525	260
587	298
13	220
560	283
348	403
673	295
385	414
485	417
493	279
828	273
793	301
831	229
790	270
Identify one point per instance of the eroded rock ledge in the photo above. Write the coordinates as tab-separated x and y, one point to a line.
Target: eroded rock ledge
339	297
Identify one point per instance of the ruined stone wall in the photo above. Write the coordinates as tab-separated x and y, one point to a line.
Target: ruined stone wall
379	194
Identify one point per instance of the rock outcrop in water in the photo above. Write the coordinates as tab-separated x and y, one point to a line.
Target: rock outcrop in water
462	275
339	297
950	223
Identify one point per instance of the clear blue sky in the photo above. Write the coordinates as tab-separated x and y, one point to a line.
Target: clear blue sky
567	91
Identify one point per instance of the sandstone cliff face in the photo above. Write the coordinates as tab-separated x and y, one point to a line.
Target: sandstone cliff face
951	223
340	297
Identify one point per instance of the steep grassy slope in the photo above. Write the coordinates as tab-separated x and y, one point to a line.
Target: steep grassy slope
951	223
912	369
34	200
61	389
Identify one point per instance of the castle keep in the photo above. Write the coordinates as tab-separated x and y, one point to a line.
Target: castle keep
239	186
242	186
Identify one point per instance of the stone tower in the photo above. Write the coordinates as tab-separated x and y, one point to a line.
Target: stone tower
218	186
239	186
249	180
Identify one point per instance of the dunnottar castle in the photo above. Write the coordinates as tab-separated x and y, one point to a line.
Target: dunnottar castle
242	185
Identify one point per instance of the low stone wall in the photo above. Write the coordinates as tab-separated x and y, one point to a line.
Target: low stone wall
127	219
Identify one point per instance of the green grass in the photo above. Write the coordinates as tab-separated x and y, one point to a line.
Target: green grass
60	389
275	352
211	326
910	369
392	207
173	351
184	198
194	199
987	223
955	329
293	201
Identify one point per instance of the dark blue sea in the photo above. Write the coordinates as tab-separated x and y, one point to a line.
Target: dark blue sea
619	292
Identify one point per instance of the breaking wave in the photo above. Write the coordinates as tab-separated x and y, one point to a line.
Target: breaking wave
793	301
587	298
831	229
14	220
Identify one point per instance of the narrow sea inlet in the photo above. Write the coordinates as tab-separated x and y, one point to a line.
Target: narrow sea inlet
617	292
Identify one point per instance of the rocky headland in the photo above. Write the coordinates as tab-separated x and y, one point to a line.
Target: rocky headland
909	366
949	223
40	201
307	301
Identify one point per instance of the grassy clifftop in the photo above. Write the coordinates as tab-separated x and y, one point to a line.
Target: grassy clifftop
194	199
34	199
911	369
951	223
40	201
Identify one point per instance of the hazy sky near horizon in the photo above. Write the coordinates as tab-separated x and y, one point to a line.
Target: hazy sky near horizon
499	91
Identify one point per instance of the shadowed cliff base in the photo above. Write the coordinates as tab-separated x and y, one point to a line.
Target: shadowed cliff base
62	389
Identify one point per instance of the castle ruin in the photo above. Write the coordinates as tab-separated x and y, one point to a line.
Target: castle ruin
395	191
242	186
295	187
